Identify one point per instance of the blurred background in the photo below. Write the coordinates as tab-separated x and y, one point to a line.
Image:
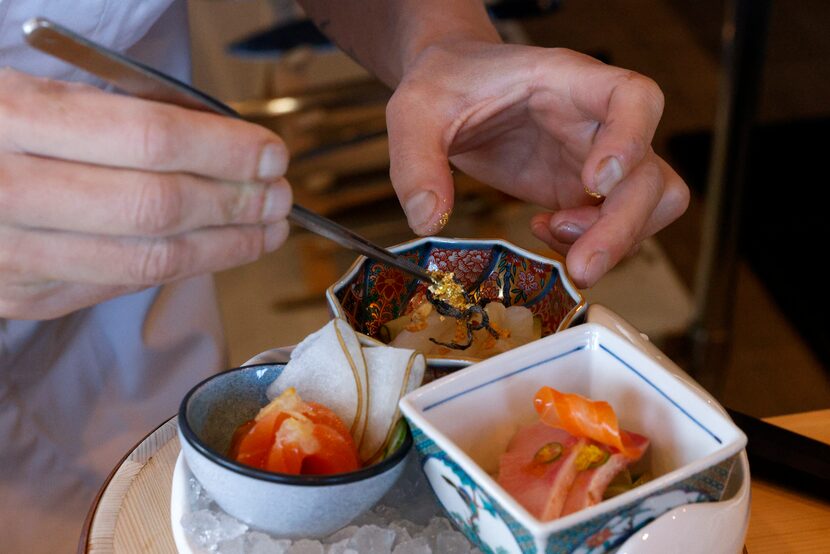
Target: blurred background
734	291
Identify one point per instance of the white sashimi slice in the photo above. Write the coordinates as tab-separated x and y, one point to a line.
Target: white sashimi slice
514	322
328	367
436	326
393	372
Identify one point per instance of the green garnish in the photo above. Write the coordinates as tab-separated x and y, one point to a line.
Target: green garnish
548	453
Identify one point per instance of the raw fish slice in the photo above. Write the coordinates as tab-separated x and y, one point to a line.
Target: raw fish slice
302	446
415	338
541	488
583	417
590	484
514	322
520	322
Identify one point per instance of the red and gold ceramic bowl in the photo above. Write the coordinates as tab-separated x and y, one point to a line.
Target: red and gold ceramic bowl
371	293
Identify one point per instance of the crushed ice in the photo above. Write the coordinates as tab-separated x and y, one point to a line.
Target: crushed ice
405	521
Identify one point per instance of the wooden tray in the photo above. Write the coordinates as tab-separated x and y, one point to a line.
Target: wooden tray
132	512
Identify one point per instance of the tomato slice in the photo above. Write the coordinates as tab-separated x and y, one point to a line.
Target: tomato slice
581	417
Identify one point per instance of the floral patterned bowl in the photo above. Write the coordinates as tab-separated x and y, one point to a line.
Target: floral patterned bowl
372	293
462	423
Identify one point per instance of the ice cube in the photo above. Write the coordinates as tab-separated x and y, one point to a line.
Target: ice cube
198	496
401	533
419	545
233	546
436	526
260	543
412	528
401	526
341	547
371	539
452	542
306	546
209	528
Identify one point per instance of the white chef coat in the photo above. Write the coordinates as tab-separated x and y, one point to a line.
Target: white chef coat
77	392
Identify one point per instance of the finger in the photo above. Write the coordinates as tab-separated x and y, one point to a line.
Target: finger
55	194
561	229
78	122
51	299
540	227
622	219
568	225
672	204
47	255
419	166
627	126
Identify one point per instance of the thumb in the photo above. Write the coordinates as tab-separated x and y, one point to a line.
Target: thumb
419	165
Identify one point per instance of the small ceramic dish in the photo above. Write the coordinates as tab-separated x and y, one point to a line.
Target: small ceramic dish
371	294
462	423
290	506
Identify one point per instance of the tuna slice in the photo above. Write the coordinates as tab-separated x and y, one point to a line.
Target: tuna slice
539	484
590	484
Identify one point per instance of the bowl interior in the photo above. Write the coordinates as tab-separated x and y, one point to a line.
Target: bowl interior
219	405
473	414
372	293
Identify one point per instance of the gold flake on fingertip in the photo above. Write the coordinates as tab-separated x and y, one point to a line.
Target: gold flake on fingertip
445	217
594	195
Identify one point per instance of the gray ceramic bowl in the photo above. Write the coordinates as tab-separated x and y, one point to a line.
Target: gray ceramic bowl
291	506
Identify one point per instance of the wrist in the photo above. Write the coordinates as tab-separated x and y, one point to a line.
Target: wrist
439	31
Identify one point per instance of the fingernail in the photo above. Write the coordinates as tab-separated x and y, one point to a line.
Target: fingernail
275	235
420	209
567	232
273	161
596	268
609	173
278	198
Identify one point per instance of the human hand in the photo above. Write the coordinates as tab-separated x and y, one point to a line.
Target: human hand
543	125
102	194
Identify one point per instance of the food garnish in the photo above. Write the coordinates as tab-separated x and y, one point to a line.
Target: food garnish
362	384
427	330
581	417
450	299
570	457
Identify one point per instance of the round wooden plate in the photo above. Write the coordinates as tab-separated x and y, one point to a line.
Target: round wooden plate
132	511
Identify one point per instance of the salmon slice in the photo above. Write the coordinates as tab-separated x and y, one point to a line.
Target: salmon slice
537	473
590	484
582	417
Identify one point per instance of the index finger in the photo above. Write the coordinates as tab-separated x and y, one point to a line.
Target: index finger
80	123
628	118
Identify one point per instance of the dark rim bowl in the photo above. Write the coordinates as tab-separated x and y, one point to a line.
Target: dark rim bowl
285	479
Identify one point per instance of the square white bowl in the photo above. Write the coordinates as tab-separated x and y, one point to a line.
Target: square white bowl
463	422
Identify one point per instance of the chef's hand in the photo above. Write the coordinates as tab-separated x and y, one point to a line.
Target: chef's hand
102	194
542	125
